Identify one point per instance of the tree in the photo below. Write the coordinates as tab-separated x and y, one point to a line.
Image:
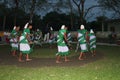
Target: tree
32	10
29	6
81	9
16	9
12	4
67	5
111	5
71	13
101	20
32	6
3	13
52	19
99	24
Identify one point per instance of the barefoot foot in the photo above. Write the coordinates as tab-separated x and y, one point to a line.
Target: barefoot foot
21	60
28	59
58	62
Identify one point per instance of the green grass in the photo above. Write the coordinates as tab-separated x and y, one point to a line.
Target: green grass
51	53
40	52
107	68
48	52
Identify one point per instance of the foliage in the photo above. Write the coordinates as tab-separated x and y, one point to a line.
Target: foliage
58	12
82	11
22	18
111	5
76	7
56	19
97	25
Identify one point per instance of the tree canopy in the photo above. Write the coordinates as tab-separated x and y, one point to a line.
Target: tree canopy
111	5
43	13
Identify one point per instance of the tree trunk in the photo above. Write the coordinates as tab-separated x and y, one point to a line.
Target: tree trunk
80	16
80	7
32	10
82	12
16	8
102	26
71	15
15	19
4	22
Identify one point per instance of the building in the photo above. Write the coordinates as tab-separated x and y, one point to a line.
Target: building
114	25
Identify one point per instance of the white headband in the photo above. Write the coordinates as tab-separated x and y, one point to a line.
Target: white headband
26	25
14	27
82	27
51	28
91	31
38	30
63	27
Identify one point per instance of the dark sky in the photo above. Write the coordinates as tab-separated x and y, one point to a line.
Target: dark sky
97	11
88	3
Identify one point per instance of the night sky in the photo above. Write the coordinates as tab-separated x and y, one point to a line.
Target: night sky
97	11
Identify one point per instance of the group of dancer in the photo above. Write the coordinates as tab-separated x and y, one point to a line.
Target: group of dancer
86	42
22	41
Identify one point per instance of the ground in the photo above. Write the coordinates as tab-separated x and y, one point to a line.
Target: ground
8	59
104	66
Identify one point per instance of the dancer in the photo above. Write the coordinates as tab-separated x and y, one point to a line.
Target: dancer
81	35
92	42
14	40
25	43
62	46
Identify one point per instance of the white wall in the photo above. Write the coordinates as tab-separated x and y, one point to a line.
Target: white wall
116	25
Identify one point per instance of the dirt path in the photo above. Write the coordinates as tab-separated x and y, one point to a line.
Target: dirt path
7	59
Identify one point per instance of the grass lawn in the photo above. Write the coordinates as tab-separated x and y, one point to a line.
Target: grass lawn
107	68
47	52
